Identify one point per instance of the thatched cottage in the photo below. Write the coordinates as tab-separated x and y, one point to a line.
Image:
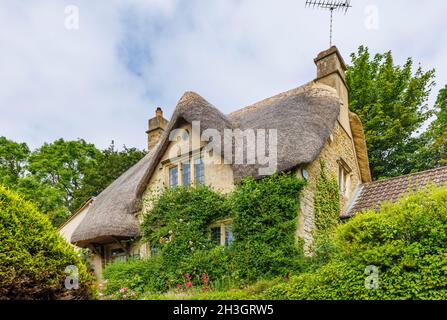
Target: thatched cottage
312	123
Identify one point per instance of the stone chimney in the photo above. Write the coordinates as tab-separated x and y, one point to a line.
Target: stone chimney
331	70
156	127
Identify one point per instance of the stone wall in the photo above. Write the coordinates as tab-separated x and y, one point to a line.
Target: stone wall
338	145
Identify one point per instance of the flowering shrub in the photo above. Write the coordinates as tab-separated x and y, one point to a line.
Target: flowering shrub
124	294
189	287
121	294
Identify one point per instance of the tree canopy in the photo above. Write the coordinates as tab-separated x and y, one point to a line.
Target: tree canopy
391	100
59	176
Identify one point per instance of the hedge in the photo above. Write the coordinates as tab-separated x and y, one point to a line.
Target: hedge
33	257
405	241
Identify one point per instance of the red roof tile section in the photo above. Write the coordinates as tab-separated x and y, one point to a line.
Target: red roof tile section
372	195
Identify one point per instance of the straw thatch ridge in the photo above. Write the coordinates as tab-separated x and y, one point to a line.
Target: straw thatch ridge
111	215
361	150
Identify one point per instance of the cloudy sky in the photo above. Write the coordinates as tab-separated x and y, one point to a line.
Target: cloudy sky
100	74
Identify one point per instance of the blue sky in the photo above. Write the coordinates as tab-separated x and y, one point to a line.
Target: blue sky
102	82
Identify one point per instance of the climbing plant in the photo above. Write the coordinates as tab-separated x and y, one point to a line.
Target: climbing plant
327	215
264	222
326	202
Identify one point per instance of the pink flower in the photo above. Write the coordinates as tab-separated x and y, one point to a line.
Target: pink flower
125	297
122	290
179	286
188	285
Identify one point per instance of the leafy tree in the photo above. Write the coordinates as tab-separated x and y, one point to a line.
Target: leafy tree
46	198
13	174
435	151
13	157
391	101
63	165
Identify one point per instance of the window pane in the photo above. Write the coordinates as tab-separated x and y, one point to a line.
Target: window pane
228	235
215	235
341	182
199	171
186	173
173	177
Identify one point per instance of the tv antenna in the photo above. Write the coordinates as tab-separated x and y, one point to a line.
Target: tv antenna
331	5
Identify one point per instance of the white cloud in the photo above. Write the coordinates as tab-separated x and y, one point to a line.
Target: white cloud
103	81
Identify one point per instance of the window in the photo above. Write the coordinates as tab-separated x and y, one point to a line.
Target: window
215	236
228	235
173	176
154	251
341	179
186	173
344	172
221	234
118	255
199	171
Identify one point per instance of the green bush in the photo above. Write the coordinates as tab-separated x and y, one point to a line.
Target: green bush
264	217
178	225
137	275
265	223
405	241
33	257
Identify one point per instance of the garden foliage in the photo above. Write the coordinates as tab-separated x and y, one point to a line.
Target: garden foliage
405	241
33	256
177	227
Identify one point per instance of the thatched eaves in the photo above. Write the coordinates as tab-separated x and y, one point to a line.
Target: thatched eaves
112	215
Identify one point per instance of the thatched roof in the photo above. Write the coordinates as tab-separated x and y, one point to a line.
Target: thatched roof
111	215
303	117
360	147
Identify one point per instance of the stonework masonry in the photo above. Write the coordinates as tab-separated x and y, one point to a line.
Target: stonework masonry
339	145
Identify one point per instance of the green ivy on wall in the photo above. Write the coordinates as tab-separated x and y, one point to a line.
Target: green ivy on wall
264	223
326	215
326	202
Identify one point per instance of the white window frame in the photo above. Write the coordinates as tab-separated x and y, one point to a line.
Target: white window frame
344	172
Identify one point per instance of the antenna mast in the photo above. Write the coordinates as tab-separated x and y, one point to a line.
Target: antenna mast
331	5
